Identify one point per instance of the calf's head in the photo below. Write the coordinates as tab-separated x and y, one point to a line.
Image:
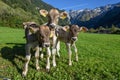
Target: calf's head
53	16
42	34
29	24
74	31
30	28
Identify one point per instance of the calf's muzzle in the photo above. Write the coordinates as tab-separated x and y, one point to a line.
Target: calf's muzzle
46	45
74	38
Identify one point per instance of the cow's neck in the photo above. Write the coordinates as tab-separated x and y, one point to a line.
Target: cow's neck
69	36
49	22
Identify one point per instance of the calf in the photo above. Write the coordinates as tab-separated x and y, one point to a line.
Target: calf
37	38
68	35
53	17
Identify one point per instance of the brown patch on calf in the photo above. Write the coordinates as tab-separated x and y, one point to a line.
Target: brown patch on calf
43	34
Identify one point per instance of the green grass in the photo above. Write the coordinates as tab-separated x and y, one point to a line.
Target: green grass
99	58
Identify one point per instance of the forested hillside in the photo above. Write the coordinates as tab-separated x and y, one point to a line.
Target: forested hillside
14	12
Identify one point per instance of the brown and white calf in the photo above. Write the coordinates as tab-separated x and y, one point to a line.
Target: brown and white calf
37	38
53	17
68	35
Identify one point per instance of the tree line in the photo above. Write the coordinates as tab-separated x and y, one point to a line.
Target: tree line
107	30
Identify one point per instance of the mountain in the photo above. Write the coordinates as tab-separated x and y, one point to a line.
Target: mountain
14	12
104	16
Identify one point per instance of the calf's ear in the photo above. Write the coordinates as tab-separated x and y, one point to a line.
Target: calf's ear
66	28
33	30
84	29
43	12
24	25
63	15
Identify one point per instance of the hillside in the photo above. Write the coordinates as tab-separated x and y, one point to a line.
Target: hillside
100	16
14	12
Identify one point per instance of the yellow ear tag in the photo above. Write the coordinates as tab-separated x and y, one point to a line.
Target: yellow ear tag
63	17
51	35
31	30
67	30
44	15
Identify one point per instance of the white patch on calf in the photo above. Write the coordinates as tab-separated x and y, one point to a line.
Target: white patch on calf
69	52
48	58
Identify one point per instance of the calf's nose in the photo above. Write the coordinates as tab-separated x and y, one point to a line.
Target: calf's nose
52	25
46	44
74	38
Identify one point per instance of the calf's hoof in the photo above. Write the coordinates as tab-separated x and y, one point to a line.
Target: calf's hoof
47	70
70	64
24	74
37	68
41	56
54	65
76	60
58	56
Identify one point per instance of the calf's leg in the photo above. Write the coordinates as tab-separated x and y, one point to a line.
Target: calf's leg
53	55
58	48
68	45
48	59
37	58
54	50
28	56
76	53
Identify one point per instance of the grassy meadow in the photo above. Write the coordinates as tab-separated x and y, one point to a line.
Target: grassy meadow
99	58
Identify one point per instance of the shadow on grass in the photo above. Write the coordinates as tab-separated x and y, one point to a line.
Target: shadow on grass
17	51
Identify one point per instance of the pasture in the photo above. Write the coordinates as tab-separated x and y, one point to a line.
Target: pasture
99	58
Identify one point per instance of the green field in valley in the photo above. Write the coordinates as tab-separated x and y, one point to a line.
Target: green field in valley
99	58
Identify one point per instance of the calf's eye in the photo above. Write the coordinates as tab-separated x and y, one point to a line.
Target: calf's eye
75	30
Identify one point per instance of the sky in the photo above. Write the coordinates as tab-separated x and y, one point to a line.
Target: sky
79	4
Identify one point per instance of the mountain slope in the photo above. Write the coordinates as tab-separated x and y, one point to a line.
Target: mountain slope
14	12
101	16
28	5
112	16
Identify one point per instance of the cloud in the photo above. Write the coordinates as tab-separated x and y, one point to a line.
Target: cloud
75	6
